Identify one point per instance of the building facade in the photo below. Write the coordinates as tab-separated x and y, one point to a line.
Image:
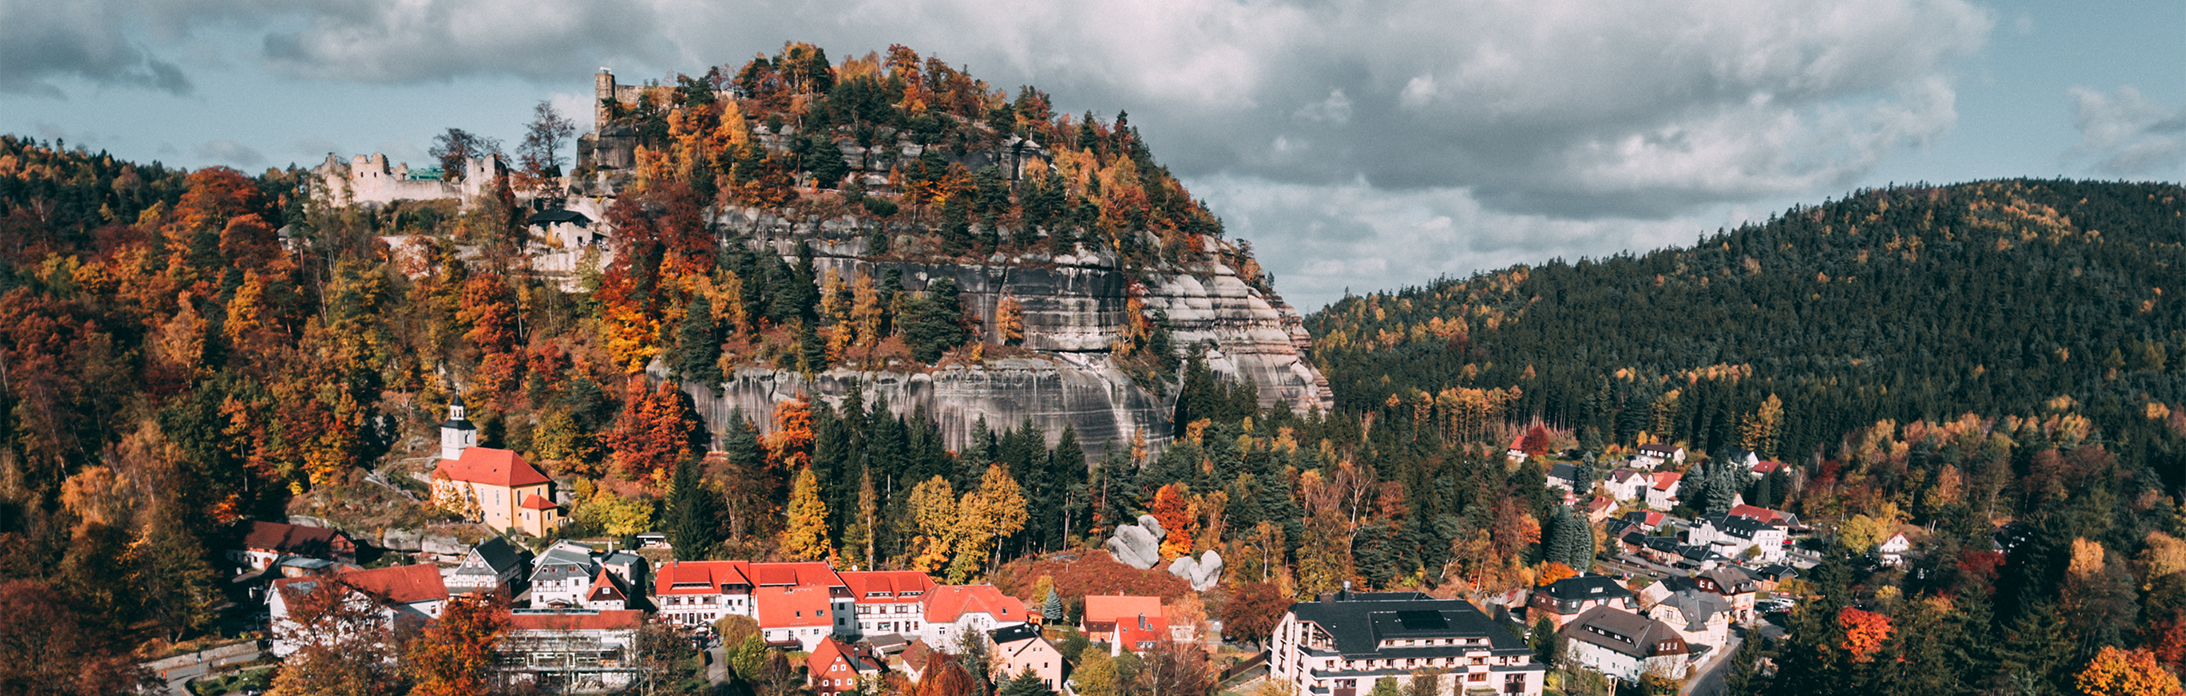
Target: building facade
1344	643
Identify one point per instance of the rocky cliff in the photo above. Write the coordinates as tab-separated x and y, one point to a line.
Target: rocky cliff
1074	307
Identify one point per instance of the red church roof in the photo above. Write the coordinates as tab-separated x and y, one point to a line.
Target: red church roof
534	502
496	467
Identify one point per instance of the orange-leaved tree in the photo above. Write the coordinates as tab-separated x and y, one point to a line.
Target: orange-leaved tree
1174	512
2116	672
657	429
791	443
455	655
1864	632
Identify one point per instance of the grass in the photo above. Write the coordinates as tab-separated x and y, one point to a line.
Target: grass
256	678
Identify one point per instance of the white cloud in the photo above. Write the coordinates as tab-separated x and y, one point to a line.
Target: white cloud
2127	134
41	40
231	152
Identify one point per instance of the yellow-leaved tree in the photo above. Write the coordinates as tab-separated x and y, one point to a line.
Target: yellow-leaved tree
2116	672
933	509
984	518
805	539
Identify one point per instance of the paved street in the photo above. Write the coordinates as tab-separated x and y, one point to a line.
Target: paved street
177	671
1708	678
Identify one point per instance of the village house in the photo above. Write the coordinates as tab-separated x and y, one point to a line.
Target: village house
955	610
1735	585
1663	494
889	602
1597	509
413	592
1019	649
1626	646
1517	451
606	593
1628	484
1773	518
1766	467
562	576
1655	454
835	667
1561	600
1564	475
800	615
572	651
494	486
1892	550
1701	618
1738	537
1344	643
265	544
701	592
493	565
1125	623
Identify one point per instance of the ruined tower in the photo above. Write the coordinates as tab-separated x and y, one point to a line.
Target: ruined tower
603	89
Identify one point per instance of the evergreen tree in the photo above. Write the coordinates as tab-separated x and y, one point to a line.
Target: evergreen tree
694	516
1026	683
1052	608
174	582
698	345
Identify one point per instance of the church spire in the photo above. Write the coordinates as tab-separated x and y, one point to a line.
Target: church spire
456	434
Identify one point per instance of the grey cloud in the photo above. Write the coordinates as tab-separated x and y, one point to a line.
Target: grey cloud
401	42
231	152
41	41
2125	133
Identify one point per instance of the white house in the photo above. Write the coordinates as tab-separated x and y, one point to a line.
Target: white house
491	566
1663	494
562	576
1625	645
400	591
1344	643
1628	484
1893	549
1737	537
1701	618
585	651
889	602
954	610
1655	454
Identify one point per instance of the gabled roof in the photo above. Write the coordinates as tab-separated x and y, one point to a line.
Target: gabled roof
1762	514
1623	475
1695	608
1730	581
948	602
700	577
400	584
607	620
1011	634
1626	633
291	538
1114	608
604	590
1741	527
808	574
831	650
792	607
1666	480
1767	466
559	215
497	553
1563	470
886	586
496	467
536	502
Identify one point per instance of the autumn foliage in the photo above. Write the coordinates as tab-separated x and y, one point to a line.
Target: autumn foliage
2116	672
1864	632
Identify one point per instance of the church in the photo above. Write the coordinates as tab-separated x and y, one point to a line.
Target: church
493	486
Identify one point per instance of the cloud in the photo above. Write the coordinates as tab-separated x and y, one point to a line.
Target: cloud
2125	133
402	41
41	41
231	152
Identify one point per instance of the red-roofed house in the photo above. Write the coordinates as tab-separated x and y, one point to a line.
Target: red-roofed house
1598	508
266	543
1766	467
835	667
1663	494
796	615
953	610
1517	451
605	594
1773	518
1125	622
414	591
888	601
586	651
494	486
701	592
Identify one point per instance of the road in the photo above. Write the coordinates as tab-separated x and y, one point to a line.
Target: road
177	671
1708	679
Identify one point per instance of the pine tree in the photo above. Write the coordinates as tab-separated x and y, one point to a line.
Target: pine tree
1052	609
693	514
174	582
698	344
805	539
1569	541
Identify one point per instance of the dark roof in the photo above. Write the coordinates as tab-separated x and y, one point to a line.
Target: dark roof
560	215
1361	621
1563	470
291	538
1741	527
1625	632
1012	634
498	554
1585	587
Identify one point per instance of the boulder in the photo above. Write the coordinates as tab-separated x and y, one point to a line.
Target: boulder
1203	574
1137	545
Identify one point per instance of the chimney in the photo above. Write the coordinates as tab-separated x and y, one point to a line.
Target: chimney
1345	593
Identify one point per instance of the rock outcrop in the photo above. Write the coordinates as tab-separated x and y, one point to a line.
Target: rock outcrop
1203	573
1074	308
1137	545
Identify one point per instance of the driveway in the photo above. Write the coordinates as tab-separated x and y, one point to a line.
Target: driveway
1708	679
177	671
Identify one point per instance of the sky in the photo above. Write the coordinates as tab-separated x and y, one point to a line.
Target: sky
1359	146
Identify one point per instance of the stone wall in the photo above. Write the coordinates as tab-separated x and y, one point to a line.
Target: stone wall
368	180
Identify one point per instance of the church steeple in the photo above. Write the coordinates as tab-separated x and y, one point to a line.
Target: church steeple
456	434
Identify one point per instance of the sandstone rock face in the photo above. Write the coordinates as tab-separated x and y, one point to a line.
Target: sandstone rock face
1137	545
1203	574
1074	308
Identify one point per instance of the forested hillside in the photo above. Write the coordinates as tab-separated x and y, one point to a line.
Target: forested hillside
1919	302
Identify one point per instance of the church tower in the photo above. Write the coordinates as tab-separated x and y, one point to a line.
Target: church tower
456	434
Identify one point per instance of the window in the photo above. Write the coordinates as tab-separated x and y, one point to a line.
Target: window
1477	677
